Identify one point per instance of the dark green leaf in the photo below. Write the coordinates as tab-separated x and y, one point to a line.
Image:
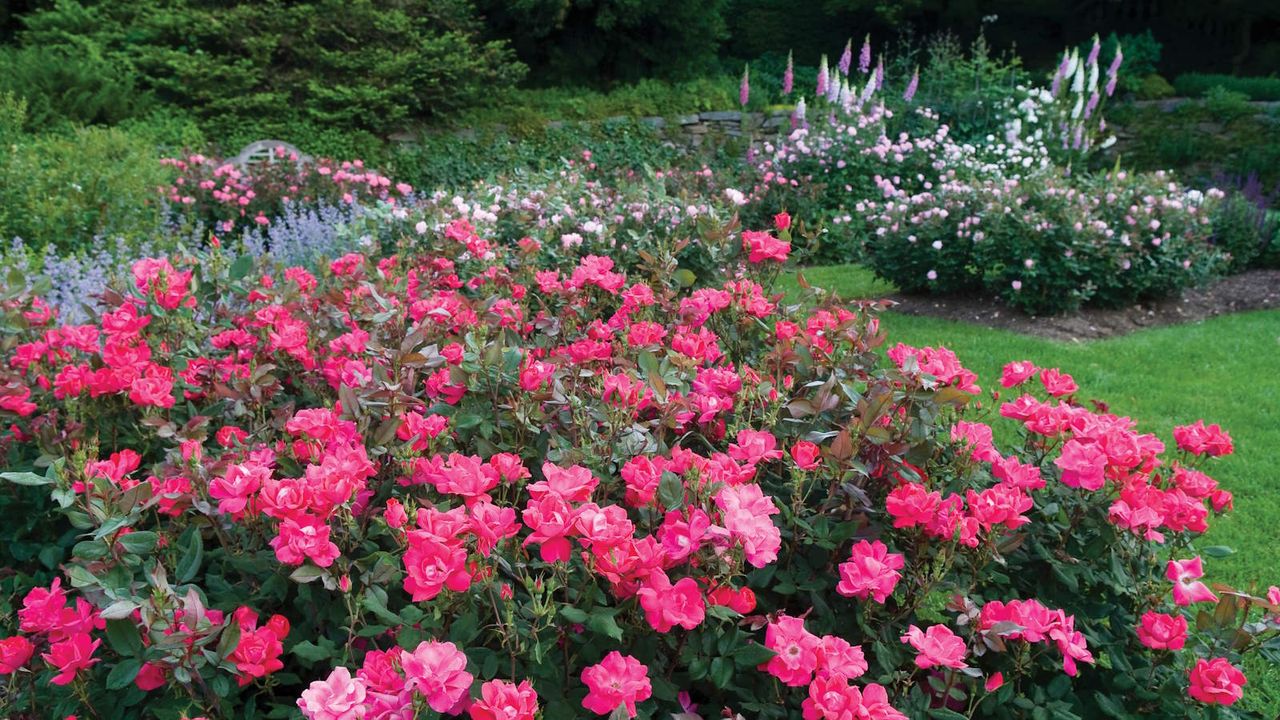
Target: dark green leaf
140	542
123	673
308	650
602	622
123	637
752	655
573	614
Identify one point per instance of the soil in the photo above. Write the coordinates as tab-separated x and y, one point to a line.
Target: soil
1251	290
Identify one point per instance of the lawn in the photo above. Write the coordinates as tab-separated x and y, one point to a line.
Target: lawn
1223	370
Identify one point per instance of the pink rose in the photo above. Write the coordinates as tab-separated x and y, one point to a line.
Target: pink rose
1216	682
937	646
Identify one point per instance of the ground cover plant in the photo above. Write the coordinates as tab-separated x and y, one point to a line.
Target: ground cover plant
457	480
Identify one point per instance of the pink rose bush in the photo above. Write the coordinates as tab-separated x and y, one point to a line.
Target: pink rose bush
228	198
468	478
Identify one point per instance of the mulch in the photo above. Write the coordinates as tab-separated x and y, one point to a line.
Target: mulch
1251	290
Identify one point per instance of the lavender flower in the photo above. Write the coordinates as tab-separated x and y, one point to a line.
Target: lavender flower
303	235
788	76
864	58
912	86
744	91
73	284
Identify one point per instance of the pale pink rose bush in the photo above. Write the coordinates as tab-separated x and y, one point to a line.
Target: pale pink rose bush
472	479
1017	215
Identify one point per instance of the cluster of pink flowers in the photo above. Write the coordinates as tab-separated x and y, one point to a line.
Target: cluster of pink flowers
1100	449
255	193
370	426
1030	621
826	664
388	684
66	630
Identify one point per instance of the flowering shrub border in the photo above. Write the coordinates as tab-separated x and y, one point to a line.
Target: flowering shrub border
451	479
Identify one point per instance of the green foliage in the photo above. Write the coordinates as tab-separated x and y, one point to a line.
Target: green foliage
63	189
1198	145
609	41
1153	87
451	160
1227	104
1242	230
365	65
1254	88
13	117
528	109
967	86
61	86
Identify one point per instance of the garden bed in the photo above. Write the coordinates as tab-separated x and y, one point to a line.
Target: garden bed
1252	290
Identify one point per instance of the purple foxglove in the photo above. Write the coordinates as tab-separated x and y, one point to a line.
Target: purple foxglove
1115	62
846	57
864	58
788	76
912	86
744	91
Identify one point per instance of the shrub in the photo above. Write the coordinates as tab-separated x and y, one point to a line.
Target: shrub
1227	104
367	65
60	87
969	88
1241	225
64	189
456	160
227	198
457	466
1253	88
1154	87
1047	245
644	98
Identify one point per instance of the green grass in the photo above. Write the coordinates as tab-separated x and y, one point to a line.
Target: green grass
1223	370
